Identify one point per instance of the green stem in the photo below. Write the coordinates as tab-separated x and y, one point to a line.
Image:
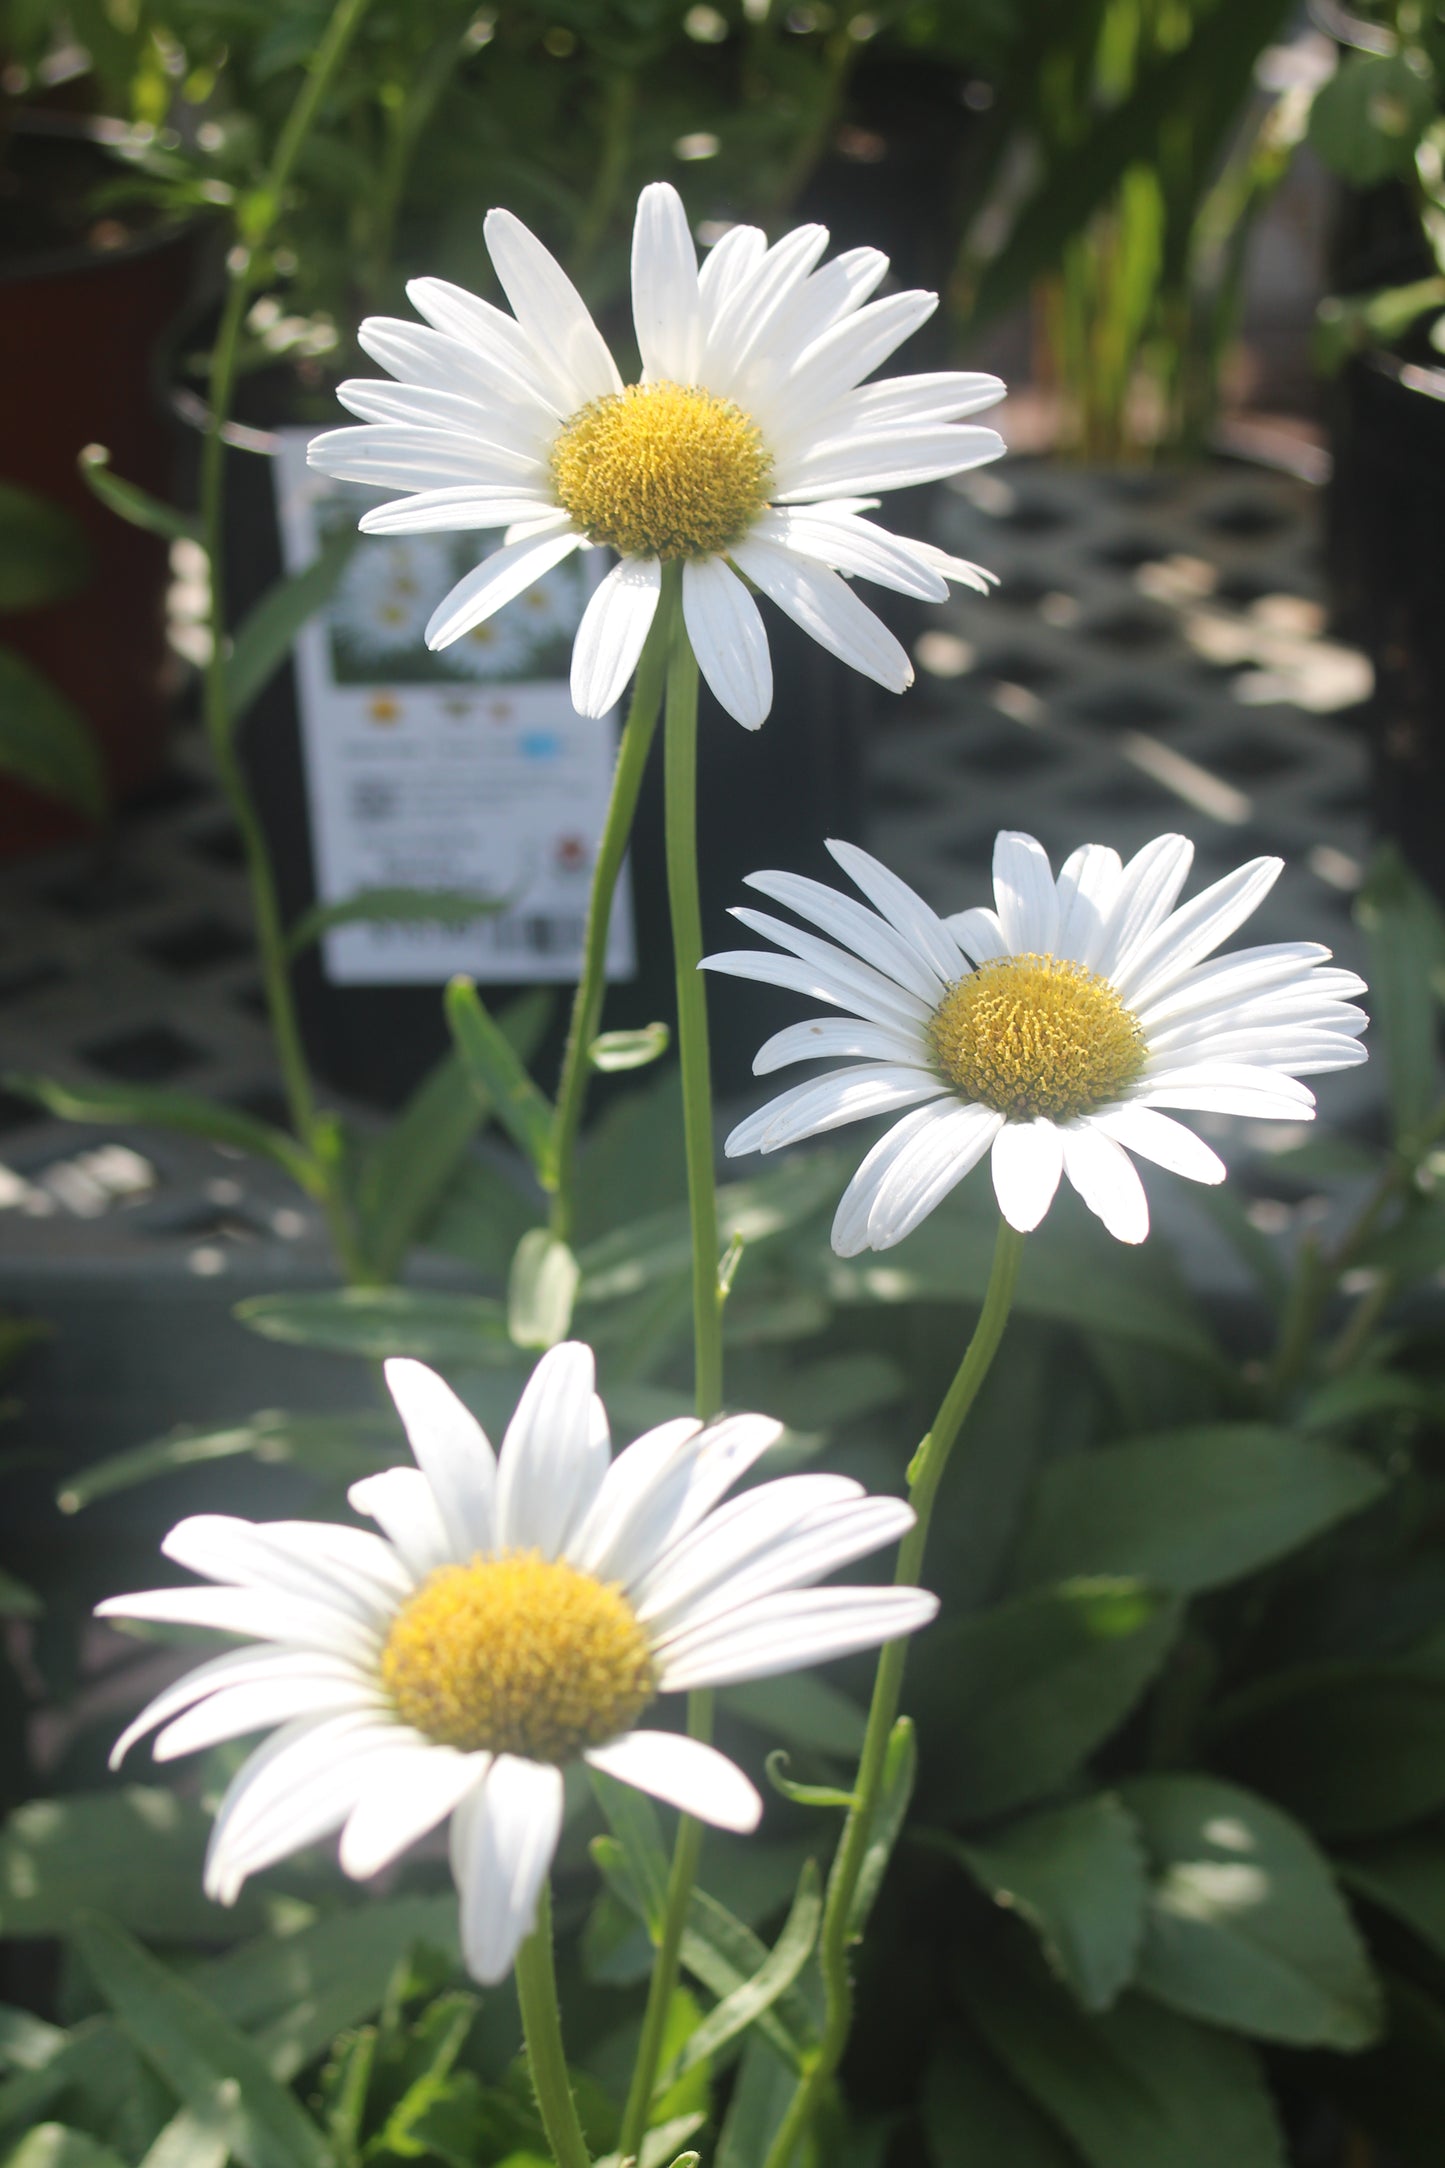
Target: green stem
611	850
925	1473
260	216
542	2025
680	792
664	1965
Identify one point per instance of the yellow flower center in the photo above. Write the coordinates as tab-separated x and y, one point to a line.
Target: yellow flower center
517	1654
662	470
1037	1035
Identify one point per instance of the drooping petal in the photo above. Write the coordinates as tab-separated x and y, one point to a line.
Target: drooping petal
935	1163
470	507
255	1704
726	630
613	633
237	1667
550	1466
1105	1177
853	546
828	611
830	1102
452	1451
684	1773
1167	1143
496	581
1027	1161
850	1222
297	1787
408	1794
504	1834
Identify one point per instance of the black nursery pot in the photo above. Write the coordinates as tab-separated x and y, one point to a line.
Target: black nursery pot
765	798
1387	563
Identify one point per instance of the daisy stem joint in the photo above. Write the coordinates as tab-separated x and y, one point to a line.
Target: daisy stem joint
925	1474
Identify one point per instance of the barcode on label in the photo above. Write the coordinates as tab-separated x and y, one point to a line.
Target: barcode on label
539	933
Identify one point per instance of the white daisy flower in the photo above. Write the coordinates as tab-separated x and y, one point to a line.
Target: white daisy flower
1052	1031
747	447
519	1611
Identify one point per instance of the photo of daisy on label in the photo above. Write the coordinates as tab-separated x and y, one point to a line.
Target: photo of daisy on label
518	1612
1057	1032
748	450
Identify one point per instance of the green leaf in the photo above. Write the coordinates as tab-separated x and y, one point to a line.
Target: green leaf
338	1447
136	1851
805	1795
1076	1874
633	1257
410	1168
51	2145
213	2069
973	2112
1354	1749
135	506
499	1076
632	1818
803	1709
381	1321
541	1290
1245	1927
1405	1876
724	1955
16	1600
43	550
1394	2092
1406	936
1367	119
760	2100
27	2042
1010	1702
779	1969
1188	1509
900	1773
393	907
264	641
1136	2087
148	1107
46	742
612	1051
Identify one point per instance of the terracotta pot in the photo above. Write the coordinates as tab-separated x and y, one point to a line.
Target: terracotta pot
82	328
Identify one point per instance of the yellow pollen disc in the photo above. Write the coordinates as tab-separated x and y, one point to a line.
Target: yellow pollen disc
662	470
517	1654
1036	1035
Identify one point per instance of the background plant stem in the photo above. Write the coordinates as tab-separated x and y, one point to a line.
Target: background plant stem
680	747
925	1474
542	2025
611	850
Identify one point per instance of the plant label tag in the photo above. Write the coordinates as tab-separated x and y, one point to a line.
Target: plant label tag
461	776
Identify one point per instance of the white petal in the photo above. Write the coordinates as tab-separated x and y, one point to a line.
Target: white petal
1024	895
905	1002
666	307
728	639
935	1163
550	1464
1167	1143
1143	899
659	1459
785	1633
257	1704
734	331
378	400
892	459
820	1037
978	933
851	545
569	352
292	1559
503	1837
821	982
727	265
613	632
921	927
960	569
497	580
1229	1088
945	395
1088	885
259	1612
830	1102
828	610
850	1222
453	1452
649	1518
1027	1160
416	354
405	1505
297	1787
1199	926
1105	1177
406	455
1244	975
501	346
832	1537
859	929
236	1667
826	297
734	1534
685	1774
471	507
407	1795
853	347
